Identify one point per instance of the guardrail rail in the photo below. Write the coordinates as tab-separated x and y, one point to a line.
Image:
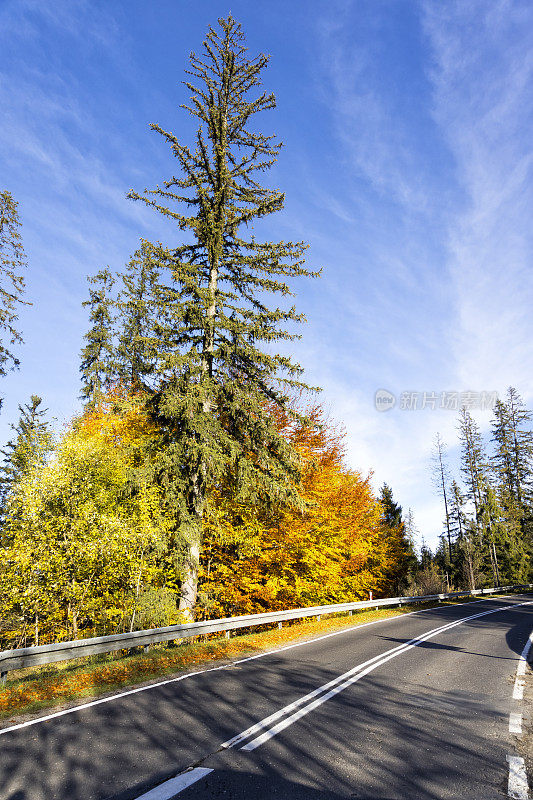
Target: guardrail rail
64	651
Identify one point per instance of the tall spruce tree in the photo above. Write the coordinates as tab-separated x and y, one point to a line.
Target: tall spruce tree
392	511
511	464
216	362
469	545
502	458
521	445
458	520
464	559
12	286
473	462
440	478
138	303
404	532
98	366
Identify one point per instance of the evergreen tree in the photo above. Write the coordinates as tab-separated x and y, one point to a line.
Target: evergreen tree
511	466
469	546
458	521
428	578
465	559
490	525
502	459
473	462
508	551
392	511
139	328
216	365
410	537
443	562
519	422
12	286
440	477
98	366
405	562
27	449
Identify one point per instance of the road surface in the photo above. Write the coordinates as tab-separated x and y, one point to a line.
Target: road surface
416	706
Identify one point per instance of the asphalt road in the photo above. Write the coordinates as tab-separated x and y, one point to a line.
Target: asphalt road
412	707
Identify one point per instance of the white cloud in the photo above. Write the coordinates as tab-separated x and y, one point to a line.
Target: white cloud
478	66
482	101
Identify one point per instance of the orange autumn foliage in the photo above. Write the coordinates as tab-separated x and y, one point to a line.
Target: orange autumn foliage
334	550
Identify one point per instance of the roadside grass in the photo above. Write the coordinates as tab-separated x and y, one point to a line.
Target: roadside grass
67	683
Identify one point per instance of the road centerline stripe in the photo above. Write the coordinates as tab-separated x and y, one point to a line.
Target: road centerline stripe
312	700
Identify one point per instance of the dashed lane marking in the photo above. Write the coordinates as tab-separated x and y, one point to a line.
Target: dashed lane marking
517	787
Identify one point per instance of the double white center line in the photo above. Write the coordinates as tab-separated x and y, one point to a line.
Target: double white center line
275	723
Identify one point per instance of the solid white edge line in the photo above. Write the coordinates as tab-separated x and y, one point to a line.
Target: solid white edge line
515	722
175	785
101	700
353	676
517	786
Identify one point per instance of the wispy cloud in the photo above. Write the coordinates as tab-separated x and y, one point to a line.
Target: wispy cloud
452	286
482	72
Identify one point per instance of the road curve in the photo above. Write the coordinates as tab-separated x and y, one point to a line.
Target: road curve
412	707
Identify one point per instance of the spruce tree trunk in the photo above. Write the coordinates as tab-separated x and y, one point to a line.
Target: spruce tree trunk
189	587
193	537
472	579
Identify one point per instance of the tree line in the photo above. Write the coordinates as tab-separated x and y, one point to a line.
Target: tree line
488	515
203	477
201	470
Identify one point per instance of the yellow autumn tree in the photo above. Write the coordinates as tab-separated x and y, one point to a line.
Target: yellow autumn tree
84	535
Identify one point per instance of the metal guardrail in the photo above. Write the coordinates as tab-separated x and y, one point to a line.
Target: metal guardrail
64	651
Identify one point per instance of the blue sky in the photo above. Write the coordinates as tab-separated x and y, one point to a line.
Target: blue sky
407	168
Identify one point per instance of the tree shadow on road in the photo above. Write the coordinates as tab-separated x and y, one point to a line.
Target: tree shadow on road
386	736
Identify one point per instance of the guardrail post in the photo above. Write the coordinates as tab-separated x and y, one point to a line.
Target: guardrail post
350	612
318	617
226	634
280	625
3	676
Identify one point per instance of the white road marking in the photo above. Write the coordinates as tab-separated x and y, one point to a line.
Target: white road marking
101	700
518	690
321	694
517	786
176	785
515	722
